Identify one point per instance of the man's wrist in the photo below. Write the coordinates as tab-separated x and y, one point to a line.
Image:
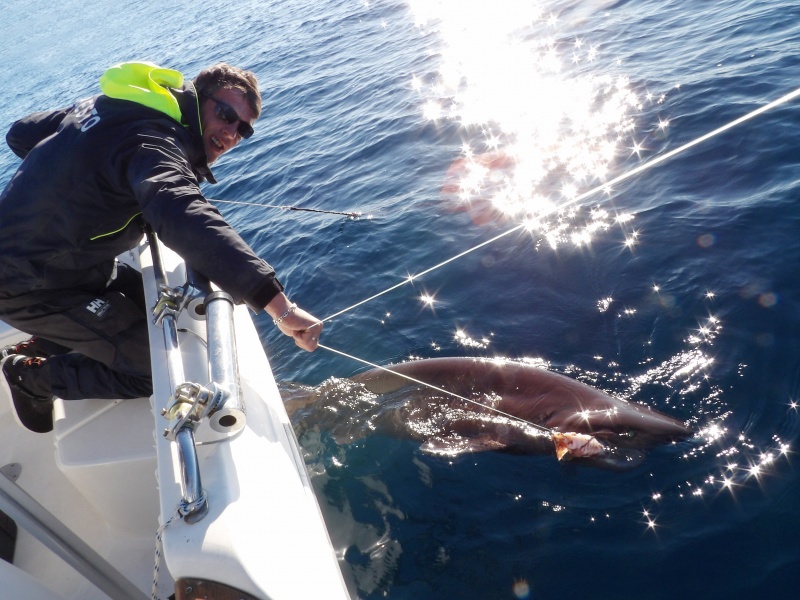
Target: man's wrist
278	306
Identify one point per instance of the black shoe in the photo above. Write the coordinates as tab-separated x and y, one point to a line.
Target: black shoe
33	412
33	347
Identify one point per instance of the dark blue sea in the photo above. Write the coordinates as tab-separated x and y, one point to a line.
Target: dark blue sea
446	124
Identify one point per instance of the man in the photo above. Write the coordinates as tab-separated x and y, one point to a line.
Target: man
93	176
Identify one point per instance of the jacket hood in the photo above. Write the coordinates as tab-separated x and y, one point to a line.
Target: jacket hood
162	90
144	83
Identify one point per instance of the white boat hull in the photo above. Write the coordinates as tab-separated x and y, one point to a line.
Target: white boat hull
110	476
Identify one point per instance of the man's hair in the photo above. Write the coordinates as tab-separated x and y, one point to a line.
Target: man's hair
223	75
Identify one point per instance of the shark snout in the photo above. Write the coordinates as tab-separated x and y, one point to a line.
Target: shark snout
645	431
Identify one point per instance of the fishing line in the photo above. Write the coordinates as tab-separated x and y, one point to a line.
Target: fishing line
411	278
352	215
438	389
605	186
653	162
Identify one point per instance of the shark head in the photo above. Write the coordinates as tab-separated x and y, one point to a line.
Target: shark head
627	425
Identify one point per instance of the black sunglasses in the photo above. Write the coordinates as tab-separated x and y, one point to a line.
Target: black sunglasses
225	112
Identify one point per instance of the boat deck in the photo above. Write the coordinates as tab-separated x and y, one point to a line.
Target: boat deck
130	552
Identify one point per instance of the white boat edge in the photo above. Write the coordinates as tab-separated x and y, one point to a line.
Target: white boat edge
109	476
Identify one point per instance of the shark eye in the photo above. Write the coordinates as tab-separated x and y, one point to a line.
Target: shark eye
630	434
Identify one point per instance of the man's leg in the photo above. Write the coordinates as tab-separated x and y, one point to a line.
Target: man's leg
107	332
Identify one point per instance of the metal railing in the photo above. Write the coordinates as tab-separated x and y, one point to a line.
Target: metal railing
221	400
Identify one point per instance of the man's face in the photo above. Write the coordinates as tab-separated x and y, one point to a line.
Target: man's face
219	135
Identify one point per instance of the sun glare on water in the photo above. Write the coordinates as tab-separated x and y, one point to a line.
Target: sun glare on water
542	121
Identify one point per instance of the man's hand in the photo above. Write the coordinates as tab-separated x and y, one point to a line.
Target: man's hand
295	322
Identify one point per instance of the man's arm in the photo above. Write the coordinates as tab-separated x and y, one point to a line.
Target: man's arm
30	130
173	205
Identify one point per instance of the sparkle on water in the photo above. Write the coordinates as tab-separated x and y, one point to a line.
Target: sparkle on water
543	121
546	117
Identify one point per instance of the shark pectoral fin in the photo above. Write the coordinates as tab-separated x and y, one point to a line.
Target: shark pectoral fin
485	443
455	445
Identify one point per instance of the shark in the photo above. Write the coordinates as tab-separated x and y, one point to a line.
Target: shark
461	404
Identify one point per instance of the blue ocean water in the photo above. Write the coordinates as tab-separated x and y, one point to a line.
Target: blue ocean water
688	303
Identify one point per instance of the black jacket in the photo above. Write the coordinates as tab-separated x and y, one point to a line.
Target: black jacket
92	175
